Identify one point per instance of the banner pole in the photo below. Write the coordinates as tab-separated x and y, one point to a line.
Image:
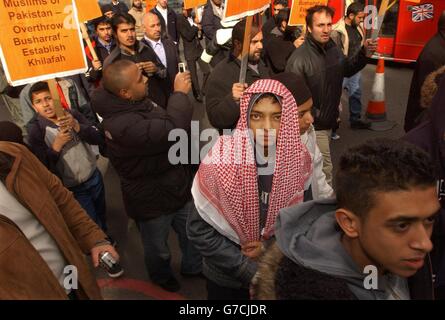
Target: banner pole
245	50
56	98
85	37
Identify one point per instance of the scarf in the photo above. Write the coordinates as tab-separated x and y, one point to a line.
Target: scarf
225	188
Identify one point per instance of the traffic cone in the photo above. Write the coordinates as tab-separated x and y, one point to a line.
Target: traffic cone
376	111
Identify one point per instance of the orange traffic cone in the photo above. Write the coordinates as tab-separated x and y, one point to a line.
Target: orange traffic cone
376	111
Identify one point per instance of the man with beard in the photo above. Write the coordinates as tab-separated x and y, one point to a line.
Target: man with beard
145	58
223	89
349	36
137	11
281	42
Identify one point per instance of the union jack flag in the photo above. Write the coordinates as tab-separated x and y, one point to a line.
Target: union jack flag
422	12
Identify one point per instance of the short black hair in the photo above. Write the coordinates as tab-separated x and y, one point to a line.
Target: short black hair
101	20
282	15
37	87
310	13
120	18
284	3
238	31
380	165
355	8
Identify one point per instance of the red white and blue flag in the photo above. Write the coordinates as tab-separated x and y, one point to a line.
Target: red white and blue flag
422	12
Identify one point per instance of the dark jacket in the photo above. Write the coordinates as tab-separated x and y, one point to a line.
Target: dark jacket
138	146
223	262
292	281
171	53
210	24
119	8
189	36
268	26
277	49
323	69
430	136
36	136
309	261
160	83
102	53
222	111
172	32
430	59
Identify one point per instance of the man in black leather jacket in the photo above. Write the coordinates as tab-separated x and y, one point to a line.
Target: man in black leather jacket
323	65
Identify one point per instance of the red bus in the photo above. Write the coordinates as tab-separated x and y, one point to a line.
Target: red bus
406	28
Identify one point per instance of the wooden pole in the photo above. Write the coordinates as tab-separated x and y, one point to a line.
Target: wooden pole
245	50
85	37
56	98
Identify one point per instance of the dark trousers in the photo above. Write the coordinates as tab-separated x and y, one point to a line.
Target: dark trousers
217	292
91	196
205	69
154	235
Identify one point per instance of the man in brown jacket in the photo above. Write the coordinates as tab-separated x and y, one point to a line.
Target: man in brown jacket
44	233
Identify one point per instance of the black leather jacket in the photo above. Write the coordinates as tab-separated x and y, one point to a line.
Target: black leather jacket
324	69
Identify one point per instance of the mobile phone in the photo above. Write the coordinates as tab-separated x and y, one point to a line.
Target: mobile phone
182	66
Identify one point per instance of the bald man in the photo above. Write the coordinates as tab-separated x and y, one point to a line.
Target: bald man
156	193
164	49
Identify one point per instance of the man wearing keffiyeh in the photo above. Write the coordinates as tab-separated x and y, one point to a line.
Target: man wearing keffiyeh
242	183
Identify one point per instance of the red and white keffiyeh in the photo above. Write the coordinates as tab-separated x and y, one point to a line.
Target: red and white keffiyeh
225	188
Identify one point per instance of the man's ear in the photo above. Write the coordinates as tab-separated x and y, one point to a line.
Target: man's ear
123	93
348	222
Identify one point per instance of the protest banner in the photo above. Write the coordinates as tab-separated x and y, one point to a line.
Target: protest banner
298	10
192	4
237	9
40	40
87	10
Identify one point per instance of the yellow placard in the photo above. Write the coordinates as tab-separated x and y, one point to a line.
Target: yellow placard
298	10
39	40
237	9
88	10
191	4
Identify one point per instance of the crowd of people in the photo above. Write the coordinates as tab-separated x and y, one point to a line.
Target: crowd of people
262	216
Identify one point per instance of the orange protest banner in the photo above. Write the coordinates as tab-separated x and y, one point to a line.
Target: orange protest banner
150	4
87	10
237	9
40	40
191	4
298	10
